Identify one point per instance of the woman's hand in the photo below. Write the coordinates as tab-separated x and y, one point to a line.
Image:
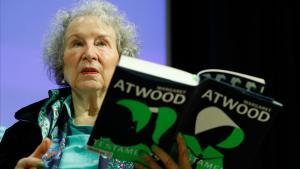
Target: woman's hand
168	162
34	160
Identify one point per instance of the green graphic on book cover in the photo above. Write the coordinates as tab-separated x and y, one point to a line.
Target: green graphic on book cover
202	156
208	155
142	114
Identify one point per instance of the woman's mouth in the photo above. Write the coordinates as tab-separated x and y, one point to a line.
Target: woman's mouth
89	71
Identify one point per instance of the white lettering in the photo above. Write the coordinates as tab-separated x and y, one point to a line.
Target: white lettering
179	99
120	85
242	109
168	97
143	91
208	94
164	95
249	109
156	95
264	116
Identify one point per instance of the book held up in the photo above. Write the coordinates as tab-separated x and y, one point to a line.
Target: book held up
222	115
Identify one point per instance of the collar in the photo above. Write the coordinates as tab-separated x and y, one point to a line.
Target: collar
30	113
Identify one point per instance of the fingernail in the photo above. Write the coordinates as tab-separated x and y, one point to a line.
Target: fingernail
155	157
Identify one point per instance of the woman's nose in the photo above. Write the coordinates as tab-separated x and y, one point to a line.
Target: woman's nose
90	53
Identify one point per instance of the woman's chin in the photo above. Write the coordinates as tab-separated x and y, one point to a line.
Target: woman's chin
91	87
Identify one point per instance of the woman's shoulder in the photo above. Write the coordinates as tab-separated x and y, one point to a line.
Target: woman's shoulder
30	112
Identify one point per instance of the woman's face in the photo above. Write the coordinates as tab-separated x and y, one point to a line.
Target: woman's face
90	54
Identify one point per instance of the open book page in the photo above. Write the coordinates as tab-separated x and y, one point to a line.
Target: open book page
248	82
159	70
237	74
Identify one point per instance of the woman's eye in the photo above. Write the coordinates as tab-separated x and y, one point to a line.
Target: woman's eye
77	44
101	43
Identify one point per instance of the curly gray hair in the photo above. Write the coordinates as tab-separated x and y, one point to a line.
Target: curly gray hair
107	12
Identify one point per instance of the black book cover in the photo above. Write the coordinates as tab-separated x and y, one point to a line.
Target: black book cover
226	125
223	120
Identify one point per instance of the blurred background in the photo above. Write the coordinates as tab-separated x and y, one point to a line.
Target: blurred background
23	78
252	37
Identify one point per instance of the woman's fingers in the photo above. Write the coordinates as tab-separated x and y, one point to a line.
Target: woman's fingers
183	158
34	160
160	156
165	158
42	148
151	162
29	162
139	166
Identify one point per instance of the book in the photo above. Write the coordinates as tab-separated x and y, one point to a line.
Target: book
223	115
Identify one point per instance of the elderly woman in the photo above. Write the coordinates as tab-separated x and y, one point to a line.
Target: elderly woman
81	52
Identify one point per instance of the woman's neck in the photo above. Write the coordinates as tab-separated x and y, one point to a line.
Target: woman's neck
86	106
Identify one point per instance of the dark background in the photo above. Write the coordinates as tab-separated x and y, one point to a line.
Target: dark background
252	37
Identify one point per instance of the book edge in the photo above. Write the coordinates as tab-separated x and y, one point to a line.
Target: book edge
254	78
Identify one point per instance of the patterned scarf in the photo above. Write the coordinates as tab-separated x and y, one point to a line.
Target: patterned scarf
52	120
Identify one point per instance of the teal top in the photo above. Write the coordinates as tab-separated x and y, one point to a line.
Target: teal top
76	155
